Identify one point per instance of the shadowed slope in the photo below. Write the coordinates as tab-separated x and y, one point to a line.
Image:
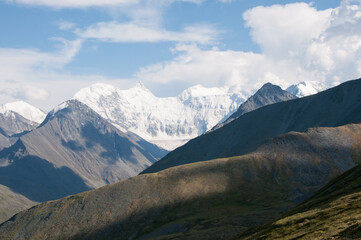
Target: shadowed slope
209	200
266	95
334	107
334	212
11	203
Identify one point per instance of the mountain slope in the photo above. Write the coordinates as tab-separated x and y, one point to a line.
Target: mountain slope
168	122
334	107
73	150
332	213
241	192
306	88
11	203
266	95
11	125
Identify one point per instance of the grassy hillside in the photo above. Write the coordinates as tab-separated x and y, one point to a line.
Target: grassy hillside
11	203
332	213
210	200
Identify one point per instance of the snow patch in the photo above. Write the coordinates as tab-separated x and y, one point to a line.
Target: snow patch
60	107
306	88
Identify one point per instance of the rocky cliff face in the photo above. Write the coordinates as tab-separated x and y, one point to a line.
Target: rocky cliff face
241	192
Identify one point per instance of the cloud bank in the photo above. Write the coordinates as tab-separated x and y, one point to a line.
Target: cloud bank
298	43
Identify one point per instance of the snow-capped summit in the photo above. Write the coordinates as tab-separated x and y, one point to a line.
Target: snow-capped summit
200	91
25	110
168	122
306	88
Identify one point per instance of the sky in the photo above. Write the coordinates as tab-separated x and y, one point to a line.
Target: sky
49	49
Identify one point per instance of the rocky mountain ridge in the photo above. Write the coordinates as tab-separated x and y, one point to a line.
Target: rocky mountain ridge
334	107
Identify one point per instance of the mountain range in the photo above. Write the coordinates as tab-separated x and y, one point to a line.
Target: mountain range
334	107
168	122
60	146
73	150
217	199
273	158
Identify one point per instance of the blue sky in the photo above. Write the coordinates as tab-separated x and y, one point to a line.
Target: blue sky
50	49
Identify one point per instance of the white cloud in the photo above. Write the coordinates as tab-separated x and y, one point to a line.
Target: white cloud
283	30
65	25
88	3
218	68
299	43
131	32
24	70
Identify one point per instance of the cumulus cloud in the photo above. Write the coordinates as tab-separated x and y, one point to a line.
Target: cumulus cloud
244	71
283	30
24	71
298	43
88	3
131	32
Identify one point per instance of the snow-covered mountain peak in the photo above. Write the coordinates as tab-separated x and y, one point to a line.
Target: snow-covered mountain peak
95	91
200	91
306	88
25	110
60	107
141	86
170	120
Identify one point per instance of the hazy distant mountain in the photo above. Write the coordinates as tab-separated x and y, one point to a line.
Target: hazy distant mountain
73	150
334	107
266	95
306	88
168	122
24	109
216	199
